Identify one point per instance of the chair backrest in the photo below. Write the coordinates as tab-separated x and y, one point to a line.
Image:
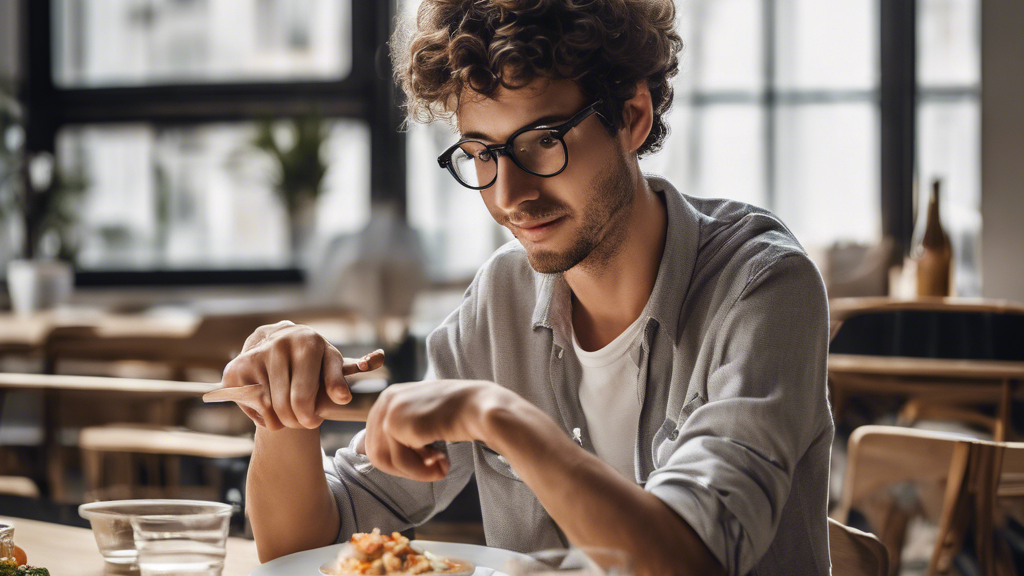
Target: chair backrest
880	456
975	472
855	553
928	328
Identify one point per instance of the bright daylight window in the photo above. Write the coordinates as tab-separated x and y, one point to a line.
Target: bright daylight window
140	42
949	126
777	104
176	198
169	190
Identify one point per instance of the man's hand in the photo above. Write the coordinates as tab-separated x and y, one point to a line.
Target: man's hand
295	365
407	418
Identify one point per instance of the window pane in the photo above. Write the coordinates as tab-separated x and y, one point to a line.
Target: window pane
826	45
137	42
675	159
826	177
715	150
456	227
949	149
722	45
177	198
948	43
730	156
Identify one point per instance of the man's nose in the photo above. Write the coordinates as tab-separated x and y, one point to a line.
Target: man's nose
513	186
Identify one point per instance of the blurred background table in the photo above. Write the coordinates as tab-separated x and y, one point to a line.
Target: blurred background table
159	398
69	550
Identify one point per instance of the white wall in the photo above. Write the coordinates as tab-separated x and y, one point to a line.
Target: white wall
8	38
1002	148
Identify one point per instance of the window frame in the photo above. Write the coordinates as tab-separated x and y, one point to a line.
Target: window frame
894	97
367	94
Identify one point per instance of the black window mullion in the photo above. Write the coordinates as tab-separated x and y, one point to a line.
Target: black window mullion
768	26
898	67
36	90
388	142
187	104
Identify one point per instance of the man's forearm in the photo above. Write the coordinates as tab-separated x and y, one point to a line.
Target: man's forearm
591	502
288	501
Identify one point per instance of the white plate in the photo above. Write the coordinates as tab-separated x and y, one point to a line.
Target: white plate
489	561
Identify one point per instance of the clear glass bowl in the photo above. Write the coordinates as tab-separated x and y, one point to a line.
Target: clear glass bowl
111	525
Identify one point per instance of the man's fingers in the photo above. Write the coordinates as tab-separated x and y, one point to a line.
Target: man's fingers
371	361
410	462
280	373
305	384
434	459
333	377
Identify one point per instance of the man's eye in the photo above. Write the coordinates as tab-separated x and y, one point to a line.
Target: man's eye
485	156
548	142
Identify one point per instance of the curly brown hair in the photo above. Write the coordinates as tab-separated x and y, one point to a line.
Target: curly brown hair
606	46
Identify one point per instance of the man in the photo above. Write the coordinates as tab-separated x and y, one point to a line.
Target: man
641	370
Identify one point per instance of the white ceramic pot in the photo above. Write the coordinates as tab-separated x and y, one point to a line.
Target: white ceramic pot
36	285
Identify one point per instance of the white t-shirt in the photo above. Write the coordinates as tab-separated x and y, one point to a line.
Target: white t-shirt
610	397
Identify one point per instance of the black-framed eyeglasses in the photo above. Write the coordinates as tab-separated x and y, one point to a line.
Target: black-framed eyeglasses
537	150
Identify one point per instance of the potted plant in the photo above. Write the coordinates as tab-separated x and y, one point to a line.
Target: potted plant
296	168
47	204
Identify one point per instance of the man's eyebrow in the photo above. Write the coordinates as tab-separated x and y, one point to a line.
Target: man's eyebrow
551	119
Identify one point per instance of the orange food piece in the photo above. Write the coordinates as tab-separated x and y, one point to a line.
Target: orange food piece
20	557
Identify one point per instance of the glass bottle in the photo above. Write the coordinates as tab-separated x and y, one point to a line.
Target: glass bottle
935	254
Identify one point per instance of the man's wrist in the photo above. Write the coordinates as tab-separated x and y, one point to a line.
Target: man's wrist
494	414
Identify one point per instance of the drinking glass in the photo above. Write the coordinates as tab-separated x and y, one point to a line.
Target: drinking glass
192	544
574	561
6	542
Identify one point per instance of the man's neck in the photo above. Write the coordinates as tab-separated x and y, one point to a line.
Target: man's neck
607	298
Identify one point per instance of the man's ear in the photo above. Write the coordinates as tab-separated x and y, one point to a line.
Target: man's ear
637	118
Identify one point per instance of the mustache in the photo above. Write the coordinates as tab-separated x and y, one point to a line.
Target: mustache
538	212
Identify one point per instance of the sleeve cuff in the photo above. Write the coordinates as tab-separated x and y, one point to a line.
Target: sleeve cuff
704	514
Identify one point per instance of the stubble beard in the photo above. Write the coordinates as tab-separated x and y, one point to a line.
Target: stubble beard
602	228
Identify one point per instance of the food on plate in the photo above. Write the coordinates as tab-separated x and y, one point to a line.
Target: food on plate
10	568
376	553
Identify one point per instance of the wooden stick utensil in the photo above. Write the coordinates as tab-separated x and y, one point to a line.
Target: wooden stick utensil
354	411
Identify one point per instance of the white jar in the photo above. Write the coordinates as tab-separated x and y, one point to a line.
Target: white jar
36	285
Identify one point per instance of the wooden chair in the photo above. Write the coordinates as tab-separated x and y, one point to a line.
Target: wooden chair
855	553
130	442
969	476
945	355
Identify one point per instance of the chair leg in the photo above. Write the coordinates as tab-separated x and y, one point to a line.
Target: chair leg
1005	406
949	536
173	476
55	473
986	482
125	473
92	470
893	533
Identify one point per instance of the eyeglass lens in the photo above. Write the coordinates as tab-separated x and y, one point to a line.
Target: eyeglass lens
537	151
